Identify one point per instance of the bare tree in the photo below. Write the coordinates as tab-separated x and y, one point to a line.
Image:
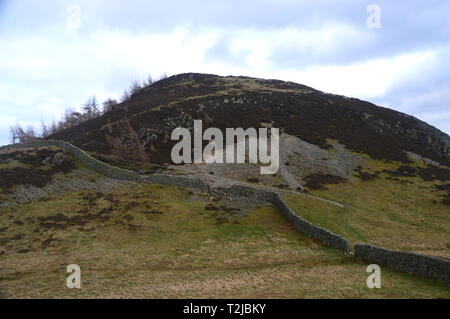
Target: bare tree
68	117
109	105
53	127
135	87
19	135
149	80
87	109
61	126
95	107
14	133
125	96
91	109
44	129
30	134
72	118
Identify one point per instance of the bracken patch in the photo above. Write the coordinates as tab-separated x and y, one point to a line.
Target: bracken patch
318	180
35	173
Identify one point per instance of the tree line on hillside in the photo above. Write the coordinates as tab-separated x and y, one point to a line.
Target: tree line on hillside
72	117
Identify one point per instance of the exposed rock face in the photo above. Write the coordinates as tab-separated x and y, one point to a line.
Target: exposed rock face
124	142
162	132
413	130
305	158
148	135
298	160
58	159
222	102
54	160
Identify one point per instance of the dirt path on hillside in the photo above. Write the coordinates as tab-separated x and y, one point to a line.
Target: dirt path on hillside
226	182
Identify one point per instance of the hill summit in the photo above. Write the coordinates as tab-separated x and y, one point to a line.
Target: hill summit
139	129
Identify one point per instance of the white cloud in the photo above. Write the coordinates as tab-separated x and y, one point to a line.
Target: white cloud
43	73
366	80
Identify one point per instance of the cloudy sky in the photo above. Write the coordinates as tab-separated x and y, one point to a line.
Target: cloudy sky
56	54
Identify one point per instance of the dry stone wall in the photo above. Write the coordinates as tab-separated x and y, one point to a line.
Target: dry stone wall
424	266
83	157
321	234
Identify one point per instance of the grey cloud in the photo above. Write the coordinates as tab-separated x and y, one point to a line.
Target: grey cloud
413	26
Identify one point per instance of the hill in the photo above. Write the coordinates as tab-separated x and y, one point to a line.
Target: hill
367	173
139	130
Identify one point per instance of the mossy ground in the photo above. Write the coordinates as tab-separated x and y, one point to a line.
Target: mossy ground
160	242
404	213
28	166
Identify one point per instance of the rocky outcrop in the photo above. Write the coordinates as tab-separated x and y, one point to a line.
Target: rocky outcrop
162	132
83	157
413	130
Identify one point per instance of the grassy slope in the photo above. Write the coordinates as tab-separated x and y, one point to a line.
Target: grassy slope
400	215
124	250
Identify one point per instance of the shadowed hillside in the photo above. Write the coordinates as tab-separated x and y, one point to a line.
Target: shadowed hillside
139	130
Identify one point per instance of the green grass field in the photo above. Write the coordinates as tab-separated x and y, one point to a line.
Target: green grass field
160	242
403	214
